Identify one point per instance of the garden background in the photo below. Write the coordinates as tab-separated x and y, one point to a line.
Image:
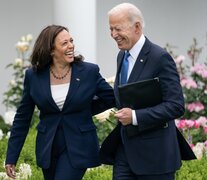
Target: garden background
193	124
176	22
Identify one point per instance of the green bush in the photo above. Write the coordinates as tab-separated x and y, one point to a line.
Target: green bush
27	154
191	170
3	146
99	173
3	126
104	127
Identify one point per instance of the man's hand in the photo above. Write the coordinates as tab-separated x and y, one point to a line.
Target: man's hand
10	170
124	115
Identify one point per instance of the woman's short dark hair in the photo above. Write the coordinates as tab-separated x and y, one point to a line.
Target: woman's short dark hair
41	55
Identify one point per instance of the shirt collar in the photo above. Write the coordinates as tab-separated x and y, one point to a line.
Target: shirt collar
135	50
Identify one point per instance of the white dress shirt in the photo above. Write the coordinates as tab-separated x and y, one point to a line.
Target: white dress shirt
134	53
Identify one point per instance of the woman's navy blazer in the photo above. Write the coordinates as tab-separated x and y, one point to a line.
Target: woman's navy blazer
76	115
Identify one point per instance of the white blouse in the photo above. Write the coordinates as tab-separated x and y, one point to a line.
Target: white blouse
59	93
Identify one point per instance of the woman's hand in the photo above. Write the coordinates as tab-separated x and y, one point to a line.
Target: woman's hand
10	170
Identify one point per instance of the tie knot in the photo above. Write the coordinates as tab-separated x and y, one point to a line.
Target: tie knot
126	55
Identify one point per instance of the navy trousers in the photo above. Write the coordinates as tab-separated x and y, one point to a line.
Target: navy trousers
122	170
60	167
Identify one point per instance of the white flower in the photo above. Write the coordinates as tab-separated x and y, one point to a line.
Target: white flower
18	62
104	115
4	176
111	80
29	37
22	46
13	83
205	91
8	134
1	134
23	38
25	171
9	117
199	150
3	164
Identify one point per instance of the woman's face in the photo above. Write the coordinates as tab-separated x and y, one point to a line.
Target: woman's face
63	48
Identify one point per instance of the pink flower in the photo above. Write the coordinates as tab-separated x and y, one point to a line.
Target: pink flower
191	145
205	129
196	125
205	143
180	124
188	83
189	123
200	69
197	107
202	121
179	59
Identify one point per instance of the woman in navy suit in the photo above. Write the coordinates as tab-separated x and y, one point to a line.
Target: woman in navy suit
67	92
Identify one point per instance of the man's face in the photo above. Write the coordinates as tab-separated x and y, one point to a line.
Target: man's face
123	31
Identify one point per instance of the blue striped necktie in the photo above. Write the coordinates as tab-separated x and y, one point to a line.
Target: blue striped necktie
124	68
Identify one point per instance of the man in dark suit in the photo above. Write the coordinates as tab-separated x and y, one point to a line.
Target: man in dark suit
153	154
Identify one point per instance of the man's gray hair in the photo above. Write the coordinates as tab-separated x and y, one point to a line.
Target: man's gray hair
134	13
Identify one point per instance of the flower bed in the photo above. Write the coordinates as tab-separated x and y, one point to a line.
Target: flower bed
193	124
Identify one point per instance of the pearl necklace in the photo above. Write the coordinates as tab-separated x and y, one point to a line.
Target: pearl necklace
59	77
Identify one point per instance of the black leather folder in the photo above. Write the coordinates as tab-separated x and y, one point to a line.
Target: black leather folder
138	95
143	94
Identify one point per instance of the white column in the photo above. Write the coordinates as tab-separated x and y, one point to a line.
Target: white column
80	18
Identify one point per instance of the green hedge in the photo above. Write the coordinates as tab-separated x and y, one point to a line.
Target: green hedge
191	170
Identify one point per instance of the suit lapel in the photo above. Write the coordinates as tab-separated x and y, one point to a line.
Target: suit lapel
140	62
119	63
74	83
44	77
137	69
117	79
